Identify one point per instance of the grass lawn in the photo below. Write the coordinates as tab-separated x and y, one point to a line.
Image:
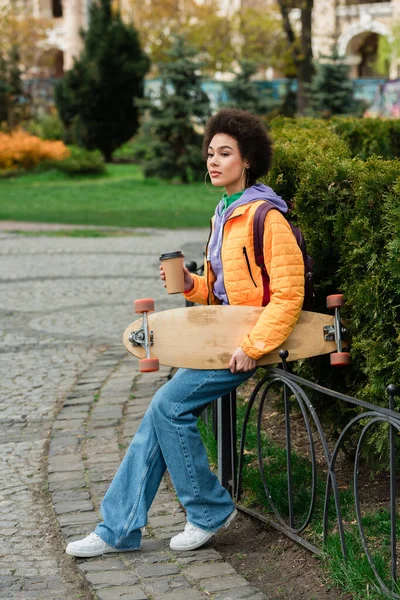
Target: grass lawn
120	197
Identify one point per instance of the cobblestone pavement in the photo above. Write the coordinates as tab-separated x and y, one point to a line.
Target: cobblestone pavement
70	400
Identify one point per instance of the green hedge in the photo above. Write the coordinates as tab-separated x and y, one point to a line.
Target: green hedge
48	127
80	162
363	137
349	212
366	137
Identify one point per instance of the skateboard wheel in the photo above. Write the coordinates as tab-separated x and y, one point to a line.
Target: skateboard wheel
340	359
143	305
147	365
335	301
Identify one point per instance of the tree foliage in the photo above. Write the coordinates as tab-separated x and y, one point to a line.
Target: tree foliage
220	40
299	45
25	32
199	23
349	212
331	91
245	95
13	107
171	136
388	50
96	98
262	39
22	47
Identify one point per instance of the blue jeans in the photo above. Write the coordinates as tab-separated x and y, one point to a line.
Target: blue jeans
168	438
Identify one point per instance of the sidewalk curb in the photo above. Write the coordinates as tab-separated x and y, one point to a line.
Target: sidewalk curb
88	439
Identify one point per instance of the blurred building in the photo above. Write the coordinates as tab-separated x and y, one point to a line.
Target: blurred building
355	26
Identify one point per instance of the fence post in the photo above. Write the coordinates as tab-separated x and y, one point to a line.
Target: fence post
223	423
392	392
226	441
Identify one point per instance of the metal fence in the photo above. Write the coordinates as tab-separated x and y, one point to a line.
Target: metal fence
294	390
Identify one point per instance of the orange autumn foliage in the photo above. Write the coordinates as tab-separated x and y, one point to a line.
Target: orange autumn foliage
22	150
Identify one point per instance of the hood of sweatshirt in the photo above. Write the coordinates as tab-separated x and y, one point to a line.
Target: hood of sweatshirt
256	192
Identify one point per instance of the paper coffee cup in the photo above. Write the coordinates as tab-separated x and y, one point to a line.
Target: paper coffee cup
172	263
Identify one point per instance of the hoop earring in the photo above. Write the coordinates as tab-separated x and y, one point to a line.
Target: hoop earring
205	181
246	179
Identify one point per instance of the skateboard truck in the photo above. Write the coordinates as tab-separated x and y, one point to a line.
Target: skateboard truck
144	337
337	332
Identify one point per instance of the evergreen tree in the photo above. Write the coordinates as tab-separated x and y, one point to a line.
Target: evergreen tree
331	92
15	86
4	90
173	142
97	97
244	94
13	100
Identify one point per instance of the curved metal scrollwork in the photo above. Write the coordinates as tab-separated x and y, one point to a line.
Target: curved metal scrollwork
295	387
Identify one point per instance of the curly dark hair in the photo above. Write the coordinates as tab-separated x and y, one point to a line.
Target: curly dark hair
247	129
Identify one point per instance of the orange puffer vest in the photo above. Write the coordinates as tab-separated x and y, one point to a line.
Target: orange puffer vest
243	279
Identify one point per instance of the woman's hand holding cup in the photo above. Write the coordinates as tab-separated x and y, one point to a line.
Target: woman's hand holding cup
185	277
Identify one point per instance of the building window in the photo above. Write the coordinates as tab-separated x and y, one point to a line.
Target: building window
57	9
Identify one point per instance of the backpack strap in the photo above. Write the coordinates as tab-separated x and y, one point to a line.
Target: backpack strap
258	237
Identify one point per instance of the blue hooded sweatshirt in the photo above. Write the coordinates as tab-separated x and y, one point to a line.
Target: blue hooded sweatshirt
256	192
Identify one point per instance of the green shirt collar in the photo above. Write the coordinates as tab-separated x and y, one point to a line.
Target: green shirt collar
228	200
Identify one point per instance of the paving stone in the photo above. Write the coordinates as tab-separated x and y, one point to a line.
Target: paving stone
103	423
78	518
186	594
96	475
111	578
207	570
78	400
70	496
107	457
67	441
101	564
88	386
61	485
75	424
123	593
106	412
168	520
59	353
58	464
71	479
151	558
152	545
166	533
72	533
68	412
157	570
248	593
68	507
199	556
165	585
216	584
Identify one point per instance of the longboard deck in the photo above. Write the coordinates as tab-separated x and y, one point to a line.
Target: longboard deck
205	337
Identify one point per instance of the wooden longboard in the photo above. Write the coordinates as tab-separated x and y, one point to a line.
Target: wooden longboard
205	337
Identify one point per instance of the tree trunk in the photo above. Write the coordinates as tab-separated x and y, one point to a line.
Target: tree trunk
301	48
107	155
305	69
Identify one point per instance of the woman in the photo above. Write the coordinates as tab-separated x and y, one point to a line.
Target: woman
238	151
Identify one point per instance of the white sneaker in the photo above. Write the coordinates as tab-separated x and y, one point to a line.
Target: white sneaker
193	537
91	545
